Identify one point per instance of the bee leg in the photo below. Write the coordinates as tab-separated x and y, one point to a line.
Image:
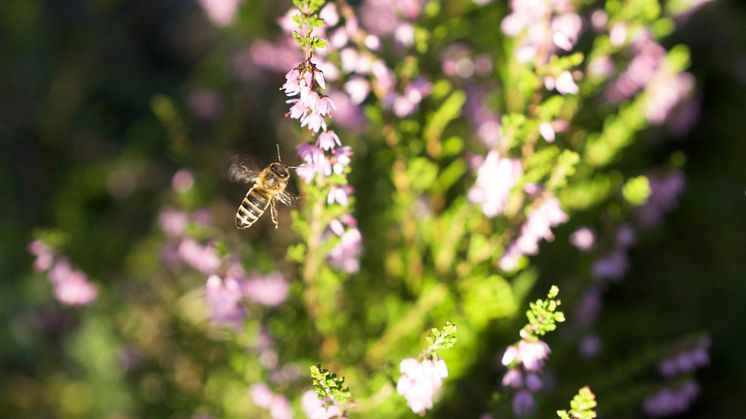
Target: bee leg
273	213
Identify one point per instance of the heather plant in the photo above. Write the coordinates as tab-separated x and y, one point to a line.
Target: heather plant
440	149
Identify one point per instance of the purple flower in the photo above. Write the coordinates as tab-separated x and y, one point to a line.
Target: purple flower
589	307
530	354
223	298
420	382
664	192
671	401
495	178
523	403
339	194
612	266
589	346
269	290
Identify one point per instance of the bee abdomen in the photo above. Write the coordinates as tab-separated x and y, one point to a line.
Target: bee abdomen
252	207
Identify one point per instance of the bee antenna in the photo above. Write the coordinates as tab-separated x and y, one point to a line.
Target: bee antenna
279	159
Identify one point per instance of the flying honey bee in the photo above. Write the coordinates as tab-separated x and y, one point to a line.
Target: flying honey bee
268	186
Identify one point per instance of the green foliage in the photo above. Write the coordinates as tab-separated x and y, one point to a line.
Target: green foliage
543	315
440	339
637	190
330	388
582	406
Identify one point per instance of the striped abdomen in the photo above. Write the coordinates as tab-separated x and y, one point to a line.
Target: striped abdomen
252	207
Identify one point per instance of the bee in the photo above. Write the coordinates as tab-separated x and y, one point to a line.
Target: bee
268	186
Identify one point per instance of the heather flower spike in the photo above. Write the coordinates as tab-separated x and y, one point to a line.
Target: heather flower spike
422	379
525	359
332	392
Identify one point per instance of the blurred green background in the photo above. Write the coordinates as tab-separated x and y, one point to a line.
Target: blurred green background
95	117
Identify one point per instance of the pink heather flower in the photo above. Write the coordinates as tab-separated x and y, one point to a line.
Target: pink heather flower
269	290
530	354
641	69
292	85
314	408
339	194
547	132
173	222
618	34
565	84
348	114
533	354
200	257
513	378
345	255
71	287
404	34
538	226
566	28
328	140
523	403
612	266
44	255
358	89
220	12
420	382
341	159
583	238
495	178
601	67
223	298
509	259
665	92
329	14
277	404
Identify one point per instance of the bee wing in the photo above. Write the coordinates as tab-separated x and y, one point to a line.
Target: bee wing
287	198
239	172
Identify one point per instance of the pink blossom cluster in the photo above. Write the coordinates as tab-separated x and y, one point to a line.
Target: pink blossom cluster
688	360
538	226
496	176
665	189
671	401
314	408
525	362
543	26
221	12
420	382
346	254
182	249
459	61
278	405
225	296
642	68
583	238
325	160
71	286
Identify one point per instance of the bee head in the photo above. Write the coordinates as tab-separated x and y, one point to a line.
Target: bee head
280	170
